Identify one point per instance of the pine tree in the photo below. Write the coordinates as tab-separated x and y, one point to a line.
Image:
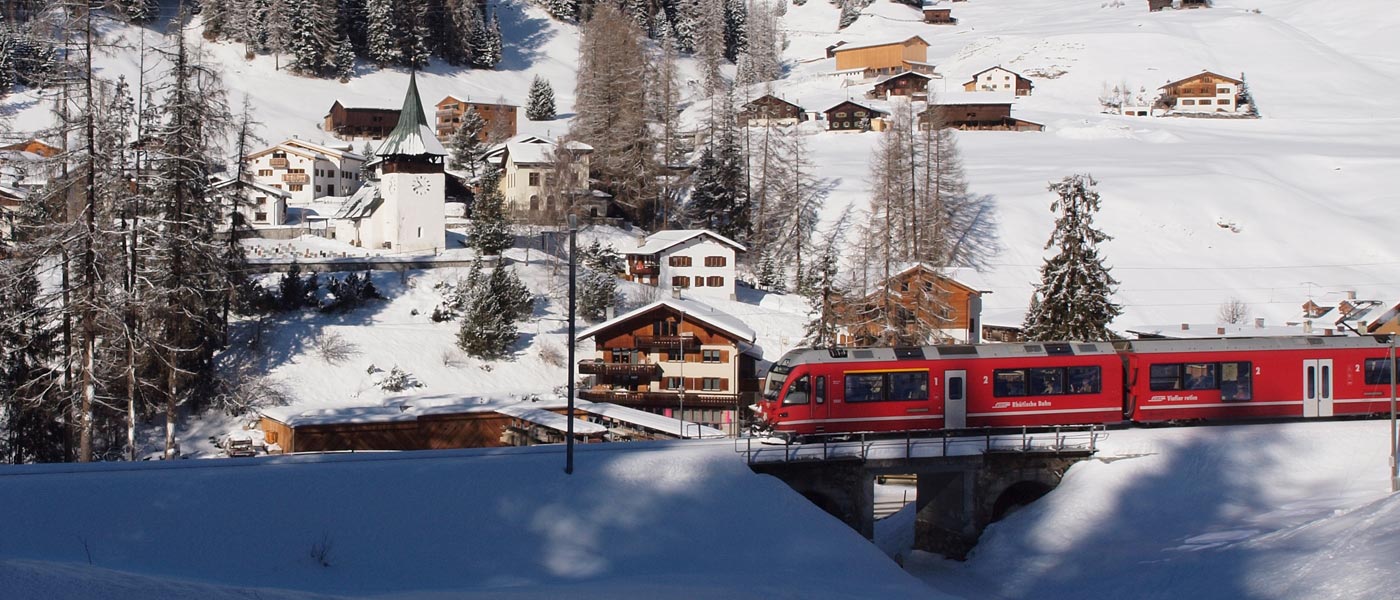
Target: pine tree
486	44
1072	301
489	325
466	146
309	39
564	10
821	288
417	42
710	44
597	292
736	37
382	33
343	66
540	105
490	233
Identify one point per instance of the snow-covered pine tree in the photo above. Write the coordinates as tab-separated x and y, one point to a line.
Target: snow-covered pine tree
417	42
736	36
457	27
7	61
32	413
1073	299
489	326
486	44
564	10
382	33
343	66
540	105
465	145
310	39
597	292
489	233
709	45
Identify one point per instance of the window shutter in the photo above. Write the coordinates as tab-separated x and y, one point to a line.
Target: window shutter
724	356
724	385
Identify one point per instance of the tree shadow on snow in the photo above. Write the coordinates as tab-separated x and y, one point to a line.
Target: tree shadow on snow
522	36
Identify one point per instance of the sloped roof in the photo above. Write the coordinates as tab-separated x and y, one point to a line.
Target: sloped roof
362	204
1211	73
551	420
662	240
266	189
854	103
412	136
645	419
876	45
975	75
904	74
692	310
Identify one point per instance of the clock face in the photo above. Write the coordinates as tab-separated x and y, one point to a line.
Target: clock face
420	187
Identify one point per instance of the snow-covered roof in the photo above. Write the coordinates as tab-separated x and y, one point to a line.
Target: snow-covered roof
662	240
551	420
1217	330
693	310
1211	73
904	74
327	416
266	189
993	68
412	136
362	204
646	420
878	44
965	97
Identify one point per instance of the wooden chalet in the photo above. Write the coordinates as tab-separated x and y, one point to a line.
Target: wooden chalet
770	110
1204	92
679	358
931	307
885	58
1158	5
970	115
34	146
999	79
939	16
851	116
908	83
500	119
350	122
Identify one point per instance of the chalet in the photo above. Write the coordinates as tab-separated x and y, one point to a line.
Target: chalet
678	358
499	119
932	307
851	116
998	79
1158	5
700	262
34	146
883	59
306	170
1205	92
969	112
402	207
543	180
908	83
939	16
258	204
351	122
770	110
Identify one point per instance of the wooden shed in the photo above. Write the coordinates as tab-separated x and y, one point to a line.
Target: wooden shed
939	16
851	116
350	122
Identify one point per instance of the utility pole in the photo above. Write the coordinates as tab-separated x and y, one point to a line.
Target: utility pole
573	261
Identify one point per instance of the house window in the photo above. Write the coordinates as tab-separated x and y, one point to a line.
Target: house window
1223	90
715	281
420	233
262	200
1223	101
699	282
841	115
710	384
674	355
716	261
534	179
1205	101
318	189
260	216
294	187
860	113
1188	102
264	172
664	327
625	356
679	261
709	356
680	281
673	383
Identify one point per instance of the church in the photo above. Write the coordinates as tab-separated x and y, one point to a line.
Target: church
400	208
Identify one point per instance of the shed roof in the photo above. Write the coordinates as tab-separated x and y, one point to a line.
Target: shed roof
1211	73
646	420
551	420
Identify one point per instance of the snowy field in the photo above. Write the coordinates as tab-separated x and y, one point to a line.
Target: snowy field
1288	511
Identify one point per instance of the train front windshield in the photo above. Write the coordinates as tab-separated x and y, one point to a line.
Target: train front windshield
777	375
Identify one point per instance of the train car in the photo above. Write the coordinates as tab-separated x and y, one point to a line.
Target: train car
1221	379
816	391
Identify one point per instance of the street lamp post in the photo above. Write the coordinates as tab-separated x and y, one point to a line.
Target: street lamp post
680	335
573	248
1394	466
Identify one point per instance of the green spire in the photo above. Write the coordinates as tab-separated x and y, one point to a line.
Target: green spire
412	136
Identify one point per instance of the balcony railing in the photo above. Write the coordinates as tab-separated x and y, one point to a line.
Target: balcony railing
645	268
667	341
648	370
667	399
301	178
278	163
448	112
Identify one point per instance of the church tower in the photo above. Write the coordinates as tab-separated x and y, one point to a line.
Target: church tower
411	181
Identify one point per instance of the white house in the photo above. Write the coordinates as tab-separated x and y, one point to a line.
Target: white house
533	168
1205	92
999	79
258	203
306	170
697	261
401	209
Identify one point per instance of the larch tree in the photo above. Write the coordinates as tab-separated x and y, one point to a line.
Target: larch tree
1073	300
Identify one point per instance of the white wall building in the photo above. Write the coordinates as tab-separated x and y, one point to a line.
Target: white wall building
530	182
697	262
306	170
258	203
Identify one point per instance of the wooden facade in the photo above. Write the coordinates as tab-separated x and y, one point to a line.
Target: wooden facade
1157	5
995	116
348	122
908	83
882	59
927	304
426	432
851	116
34	146
500	119
939	16
770	109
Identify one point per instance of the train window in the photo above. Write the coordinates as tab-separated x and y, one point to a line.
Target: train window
909	386
1165	377
1045	382
1235	381
1085	380
819	390
1200	376
797	392
1376	373
1008	382
865	387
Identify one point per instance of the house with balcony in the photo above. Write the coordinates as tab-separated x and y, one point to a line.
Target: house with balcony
770	110
544	179
356	122
694	262
1205	92
931	306
499	118
677	358
999	79
306	170
259	204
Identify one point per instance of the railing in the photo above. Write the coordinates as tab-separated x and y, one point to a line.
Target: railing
301	178
668	341
448	112
645	268
920	444
278	163
668	399
591	367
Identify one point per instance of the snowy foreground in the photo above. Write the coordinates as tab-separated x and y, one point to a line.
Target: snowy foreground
1261	511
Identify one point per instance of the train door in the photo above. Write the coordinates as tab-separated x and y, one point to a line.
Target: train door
955	399
1317	387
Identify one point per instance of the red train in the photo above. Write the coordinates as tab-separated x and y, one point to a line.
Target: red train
816	391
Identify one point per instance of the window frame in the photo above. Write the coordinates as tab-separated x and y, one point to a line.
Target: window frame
881	386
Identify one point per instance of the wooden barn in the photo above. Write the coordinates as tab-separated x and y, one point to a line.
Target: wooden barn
349	122
939	16
967	114
907	83
770	110
1158	5
882	59
851	116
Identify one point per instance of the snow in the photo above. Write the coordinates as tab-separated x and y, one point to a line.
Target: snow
551	420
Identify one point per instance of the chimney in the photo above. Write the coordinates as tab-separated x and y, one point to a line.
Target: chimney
1307	326
1351	294
1327	331
1219	331
1259	322
1185	326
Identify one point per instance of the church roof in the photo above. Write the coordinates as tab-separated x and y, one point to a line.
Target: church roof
412	136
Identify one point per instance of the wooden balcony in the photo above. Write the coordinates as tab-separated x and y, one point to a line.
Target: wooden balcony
278	163
668	341
295	178
666	399
645	268
647	370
